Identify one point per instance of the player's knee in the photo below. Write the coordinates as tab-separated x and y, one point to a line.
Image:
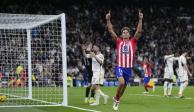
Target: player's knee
121	83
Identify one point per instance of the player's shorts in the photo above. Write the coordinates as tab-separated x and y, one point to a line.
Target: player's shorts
123	72
146	80
168	75
183	78
98	77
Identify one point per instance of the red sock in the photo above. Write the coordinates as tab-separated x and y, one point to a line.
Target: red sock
117	97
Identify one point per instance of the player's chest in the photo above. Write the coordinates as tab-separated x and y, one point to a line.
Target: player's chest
125	48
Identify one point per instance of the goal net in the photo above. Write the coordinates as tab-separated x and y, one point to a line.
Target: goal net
32	60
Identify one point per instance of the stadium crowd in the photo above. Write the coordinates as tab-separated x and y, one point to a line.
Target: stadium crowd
164	26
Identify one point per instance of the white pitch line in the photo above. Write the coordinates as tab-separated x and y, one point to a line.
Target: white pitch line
151	95
89	110
19	106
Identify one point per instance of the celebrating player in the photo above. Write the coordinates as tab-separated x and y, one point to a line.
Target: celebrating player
147	75
183	73
125	49
88	64
168	72
98	75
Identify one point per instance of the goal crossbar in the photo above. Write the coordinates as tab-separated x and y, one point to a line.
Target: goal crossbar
51	32
25	21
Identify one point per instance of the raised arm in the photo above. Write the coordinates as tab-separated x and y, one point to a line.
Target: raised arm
168	56
139	26
99	59
110	27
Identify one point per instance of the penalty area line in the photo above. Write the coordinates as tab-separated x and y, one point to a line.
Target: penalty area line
151	95
89	110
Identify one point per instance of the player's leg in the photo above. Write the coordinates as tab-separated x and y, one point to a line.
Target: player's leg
116	98
120	88
123	76
123	90
87	93
170	87
170	83
165	86
184	83
126	75
96	81
146	86
119	92
182	87
88	89
105	97
97	96
92	99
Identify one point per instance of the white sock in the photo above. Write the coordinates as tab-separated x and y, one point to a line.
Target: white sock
181	88
169	88
97	96
165	87
101	93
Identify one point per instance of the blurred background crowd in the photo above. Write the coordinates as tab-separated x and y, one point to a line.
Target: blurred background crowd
166	24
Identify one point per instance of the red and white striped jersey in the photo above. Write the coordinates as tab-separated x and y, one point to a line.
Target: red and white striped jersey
125	51
147	70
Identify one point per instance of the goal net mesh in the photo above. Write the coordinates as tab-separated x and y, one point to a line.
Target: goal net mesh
45	50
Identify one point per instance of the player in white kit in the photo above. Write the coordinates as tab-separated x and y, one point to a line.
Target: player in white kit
183	73
168	73
98	74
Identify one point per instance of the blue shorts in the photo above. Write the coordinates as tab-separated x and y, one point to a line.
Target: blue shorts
123	72
146	80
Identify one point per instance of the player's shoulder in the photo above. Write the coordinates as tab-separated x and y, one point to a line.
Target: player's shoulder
118	38
133	39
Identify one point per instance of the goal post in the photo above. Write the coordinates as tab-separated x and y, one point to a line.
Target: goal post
33	60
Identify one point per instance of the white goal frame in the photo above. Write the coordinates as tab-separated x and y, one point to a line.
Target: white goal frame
28	28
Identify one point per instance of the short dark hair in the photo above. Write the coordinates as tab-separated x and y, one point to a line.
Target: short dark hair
125	28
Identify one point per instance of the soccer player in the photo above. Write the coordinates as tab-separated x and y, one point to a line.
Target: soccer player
147	75
168	73
98	75
86	49
183	73
16	79
125	50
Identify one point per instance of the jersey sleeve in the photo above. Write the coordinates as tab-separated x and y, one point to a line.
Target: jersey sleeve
133	40
101	58
184	60
168	56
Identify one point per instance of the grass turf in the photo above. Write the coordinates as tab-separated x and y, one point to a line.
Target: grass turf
132	101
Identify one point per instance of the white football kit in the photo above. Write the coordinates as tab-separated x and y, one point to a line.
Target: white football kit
182	72
168	70
98	70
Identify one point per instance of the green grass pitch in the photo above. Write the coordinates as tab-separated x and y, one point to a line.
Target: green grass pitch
132	101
